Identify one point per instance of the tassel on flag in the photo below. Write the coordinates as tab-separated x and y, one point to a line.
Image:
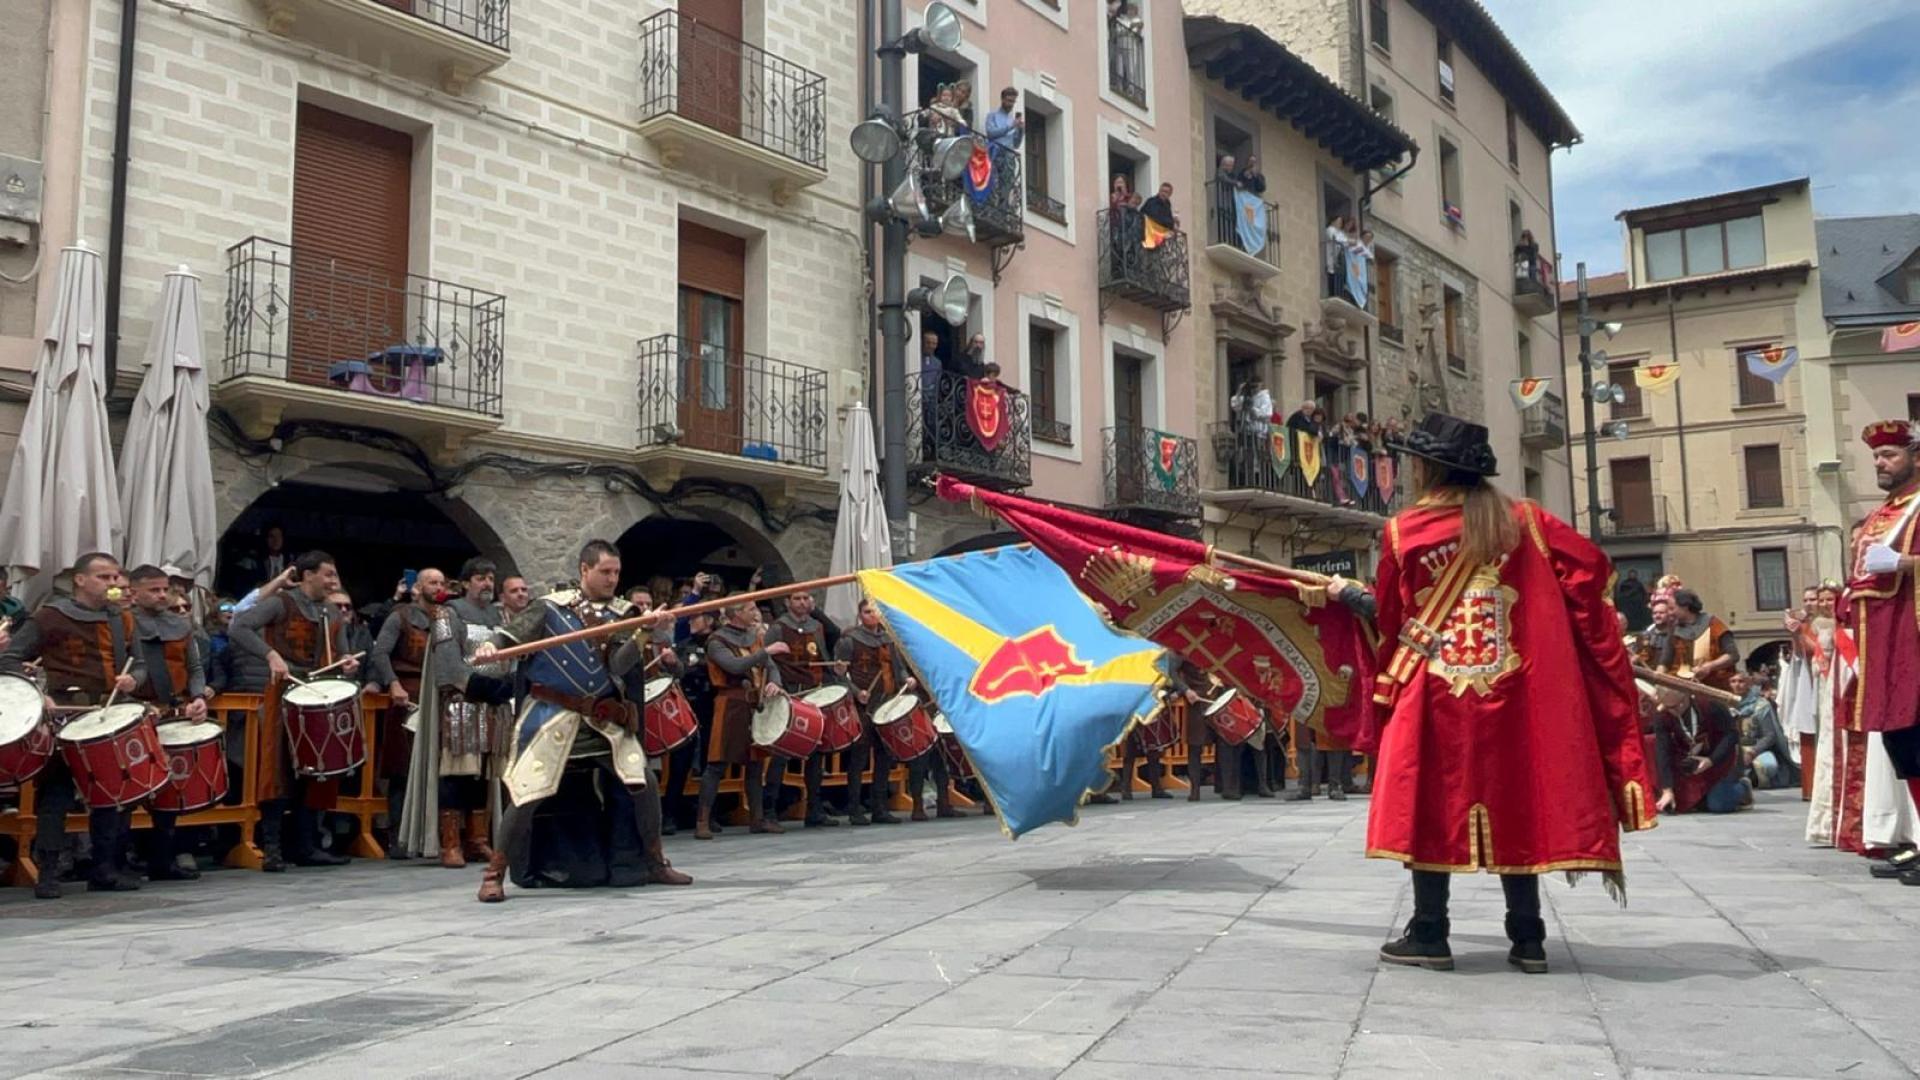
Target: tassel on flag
1656	376
1528	392
1772	364
1900	338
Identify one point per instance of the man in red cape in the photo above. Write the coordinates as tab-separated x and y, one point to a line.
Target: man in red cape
1886	619
1514	741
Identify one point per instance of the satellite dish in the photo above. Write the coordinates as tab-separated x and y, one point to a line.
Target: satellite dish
957	218
874	141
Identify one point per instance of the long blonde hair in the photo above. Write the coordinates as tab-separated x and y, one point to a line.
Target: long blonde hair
1487	527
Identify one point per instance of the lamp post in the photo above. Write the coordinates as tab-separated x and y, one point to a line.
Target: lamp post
1592	390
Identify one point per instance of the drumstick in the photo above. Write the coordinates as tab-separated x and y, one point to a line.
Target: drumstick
1686	686
323	670
124	668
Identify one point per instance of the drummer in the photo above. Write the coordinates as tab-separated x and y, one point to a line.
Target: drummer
877	672
86	649
741	665
176	685
1177	700
398	654
293	632
805	667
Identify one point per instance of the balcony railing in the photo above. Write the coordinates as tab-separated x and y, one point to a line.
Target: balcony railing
1046	206
1153	471
1047	429
1248	459
304	317
1157	277
720	82
997	218
940	438
1544	425
709	397
1234	221
1534	289
484	21
1636	519
1127	60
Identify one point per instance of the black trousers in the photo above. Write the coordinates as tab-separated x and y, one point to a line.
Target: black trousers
56	796
515	835
1430	922
463	793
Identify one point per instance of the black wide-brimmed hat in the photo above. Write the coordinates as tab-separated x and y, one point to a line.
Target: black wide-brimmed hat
1451	443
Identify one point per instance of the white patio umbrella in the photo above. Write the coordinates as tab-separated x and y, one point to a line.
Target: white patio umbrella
61	500
166	474
860	537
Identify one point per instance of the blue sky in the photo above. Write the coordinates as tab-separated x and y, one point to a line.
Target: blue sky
1687	97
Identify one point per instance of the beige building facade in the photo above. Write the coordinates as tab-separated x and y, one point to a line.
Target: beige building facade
1721	476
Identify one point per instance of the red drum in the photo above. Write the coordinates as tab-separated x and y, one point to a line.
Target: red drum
115	755
958	766
324	731
668	721
842	715
904	727
26	735
1157	734
1234	718
788	727
196	766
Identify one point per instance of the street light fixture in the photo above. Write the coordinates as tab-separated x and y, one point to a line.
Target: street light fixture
939	28
951	300
874	140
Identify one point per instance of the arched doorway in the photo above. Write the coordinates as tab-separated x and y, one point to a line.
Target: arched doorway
676	548
374	529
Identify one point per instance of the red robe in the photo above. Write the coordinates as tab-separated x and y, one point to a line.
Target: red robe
1886	627
1516	748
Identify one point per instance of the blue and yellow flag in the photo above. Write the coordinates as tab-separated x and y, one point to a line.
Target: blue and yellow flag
1034	682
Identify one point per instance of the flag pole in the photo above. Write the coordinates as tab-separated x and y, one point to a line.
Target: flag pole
1307	576
685	611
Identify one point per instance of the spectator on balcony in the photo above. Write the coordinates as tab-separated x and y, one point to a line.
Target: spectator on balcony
1226	177
1124	27
1123	222
1306	418
1526	257
1159	209
1333	249
1339	436
940	115
1250	178
1005	127
1252	408
973	364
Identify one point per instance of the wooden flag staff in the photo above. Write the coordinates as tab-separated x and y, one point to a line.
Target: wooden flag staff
1307	576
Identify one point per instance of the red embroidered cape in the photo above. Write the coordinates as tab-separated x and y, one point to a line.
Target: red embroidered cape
1516	748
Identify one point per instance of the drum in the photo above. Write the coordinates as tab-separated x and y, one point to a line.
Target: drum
115	755
668	720
196	766
904	727
842	715
1234	717
324	732
26	734
788	727
1158	734
958	766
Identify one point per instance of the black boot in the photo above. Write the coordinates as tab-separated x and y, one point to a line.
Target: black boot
47	856
104	829
1525	928
305	832
1425	942
165	862
272	818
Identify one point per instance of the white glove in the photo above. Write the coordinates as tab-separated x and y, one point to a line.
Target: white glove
1880	559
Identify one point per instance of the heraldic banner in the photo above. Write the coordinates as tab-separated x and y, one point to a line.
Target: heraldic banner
1035	684
1275	639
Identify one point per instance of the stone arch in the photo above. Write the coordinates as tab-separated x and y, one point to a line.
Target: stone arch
698	537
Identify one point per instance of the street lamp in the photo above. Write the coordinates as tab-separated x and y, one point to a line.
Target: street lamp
882	139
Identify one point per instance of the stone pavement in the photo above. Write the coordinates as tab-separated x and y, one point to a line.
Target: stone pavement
1156	939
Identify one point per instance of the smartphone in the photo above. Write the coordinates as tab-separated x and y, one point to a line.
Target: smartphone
408	577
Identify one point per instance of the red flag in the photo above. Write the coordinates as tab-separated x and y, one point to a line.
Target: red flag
1275	639
987	412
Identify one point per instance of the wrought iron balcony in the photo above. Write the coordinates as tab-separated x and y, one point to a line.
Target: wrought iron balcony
1241	238
726	401
1534	290
306	329
998	219
1058	432
1046	205
446	41
1634	519
1156	277
1544	426
1127	60
708	94
940	437
1149	471
1247	459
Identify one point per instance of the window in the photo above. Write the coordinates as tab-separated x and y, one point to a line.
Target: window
1523	351
1129	391
1043	181
1621	375
1632	480
1770	591
1754	390
1516	223
1764	491
1706	249
1386	290
1913	406
1443	55
1127	52
1452	312
1451	210
1513	138
1043	373
1378	30
936	73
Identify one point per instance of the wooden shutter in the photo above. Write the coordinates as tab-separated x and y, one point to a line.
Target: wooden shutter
1632	492
713	261
1763	477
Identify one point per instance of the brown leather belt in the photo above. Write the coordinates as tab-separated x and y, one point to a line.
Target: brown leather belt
579	703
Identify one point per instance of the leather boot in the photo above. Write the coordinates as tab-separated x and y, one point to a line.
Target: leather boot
493	879
450	856
659	870
272	860
48	858
703	825
476	848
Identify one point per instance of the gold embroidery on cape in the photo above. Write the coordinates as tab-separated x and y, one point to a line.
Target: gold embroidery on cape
1474	646
1480	854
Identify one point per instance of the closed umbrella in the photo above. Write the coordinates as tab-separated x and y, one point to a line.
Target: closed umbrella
860	537
61	500
166	475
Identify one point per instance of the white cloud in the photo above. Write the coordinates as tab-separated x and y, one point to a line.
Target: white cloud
1688	97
